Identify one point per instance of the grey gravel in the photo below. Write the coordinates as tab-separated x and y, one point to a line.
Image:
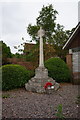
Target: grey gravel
23	104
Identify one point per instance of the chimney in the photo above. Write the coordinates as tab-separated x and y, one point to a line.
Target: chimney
78	11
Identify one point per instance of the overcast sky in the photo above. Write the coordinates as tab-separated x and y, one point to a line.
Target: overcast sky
15	17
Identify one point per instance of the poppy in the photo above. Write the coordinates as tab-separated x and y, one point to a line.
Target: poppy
48	84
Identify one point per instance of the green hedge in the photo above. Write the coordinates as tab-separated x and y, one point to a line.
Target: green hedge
14	76
58	70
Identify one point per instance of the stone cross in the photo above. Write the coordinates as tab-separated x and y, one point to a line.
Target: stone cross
36	84
41	57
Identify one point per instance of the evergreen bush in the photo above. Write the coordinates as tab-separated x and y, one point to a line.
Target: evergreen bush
14	76
58	69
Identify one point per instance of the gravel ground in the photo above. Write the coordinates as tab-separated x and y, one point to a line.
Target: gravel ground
22	104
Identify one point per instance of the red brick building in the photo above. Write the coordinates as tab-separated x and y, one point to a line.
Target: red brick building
73	57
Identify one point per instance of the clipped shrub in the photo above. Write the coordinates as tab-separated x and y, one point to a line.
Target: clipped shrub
58	70
14	76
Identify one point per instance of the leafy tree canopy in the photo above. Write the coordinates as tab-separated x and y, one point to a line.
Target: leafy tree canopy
46	19
54	33
6	52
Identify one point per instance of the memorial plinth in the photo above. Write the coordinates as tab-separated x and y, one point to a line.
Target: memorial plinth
37	83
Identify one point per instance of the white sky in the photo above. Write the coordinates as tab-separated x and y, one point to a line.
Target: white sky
15	17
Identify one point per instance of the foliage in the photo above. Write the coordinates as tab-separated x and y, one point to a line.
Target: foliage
14	76
49	51
58	69
78	100
17	55
32	30
46	19
59	39
59	113
33	53
59	36
5	95
6	52
54	33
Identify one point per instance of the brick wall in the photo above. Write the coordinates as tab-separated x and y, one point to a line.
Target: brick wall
20	61
69	61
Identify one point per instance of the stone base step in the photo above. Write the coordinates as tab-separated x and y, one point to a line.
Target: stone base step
37	83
